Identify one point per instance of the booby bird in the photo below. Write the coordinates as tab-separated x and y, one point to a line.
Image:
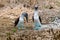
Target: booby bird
36	19
20	20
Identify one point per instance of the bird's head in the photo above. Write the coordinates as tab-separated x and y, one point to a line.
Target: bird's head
25	15
36	7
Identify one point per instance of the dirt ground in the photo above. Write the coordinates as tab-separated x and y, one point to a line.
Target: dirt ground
10	11
11	33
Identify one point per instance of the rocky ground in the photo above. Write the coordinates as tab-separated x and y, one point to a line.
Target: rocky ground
14	34
10	10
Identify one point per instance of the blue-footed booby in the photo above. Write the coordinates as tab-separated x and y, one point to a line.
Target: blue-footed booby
36	19
20	20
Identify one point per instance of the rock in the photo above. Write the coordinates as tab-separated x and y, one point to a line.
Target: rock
38	38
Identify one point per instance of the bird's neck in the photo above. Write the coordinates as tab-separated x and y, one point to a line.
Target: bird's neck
36	13
21	18
36	17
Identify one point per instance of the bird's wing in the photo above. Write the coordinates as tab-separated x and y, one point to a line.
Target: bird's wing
33	18
16	21
40	19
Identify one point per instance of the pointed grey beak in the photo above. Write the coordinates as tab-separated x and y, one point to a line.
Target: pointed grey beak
26	16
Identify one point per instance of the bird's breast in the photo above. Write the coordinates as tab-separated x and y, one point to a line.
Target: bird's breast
21	20
36	17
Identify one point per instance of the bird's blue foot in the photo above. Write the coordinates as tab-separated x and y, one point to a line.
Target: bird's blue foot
37	28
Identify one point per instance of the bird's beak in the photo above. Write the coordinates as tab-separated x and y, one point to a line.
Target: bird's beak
36	8
26	16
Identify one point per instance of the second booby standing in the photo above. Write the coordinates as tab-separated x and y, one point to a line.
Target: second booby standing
20	20
36	18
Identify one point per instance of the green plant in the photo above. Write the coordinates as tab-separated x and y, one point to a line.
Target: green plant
14	29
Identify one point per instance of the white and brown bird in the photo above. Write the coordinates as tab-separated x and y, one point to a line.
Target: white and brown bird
19	22
36	19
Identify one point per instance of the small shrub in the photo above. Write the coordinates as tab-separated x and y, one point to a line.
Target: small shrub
14	30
